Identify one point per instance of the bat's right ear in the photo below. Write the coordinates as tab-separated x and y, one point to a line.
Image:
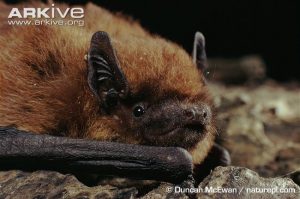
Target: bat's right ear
105	76
199	54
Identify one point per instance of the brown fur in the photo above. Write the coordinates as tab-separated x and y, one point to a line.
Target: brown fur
43	76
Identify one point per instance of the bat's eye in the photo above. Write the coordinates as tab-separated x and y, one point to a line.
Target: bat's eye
138	111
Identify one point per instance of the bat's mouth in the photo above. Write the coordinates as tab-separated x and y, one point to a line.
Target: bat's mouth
184	135
197	128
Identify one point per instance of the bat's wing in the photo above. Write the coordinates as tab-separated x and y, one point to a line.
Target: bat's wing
27	151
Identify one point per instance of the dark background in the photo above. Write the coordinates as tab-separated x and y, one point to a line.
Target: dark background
232	28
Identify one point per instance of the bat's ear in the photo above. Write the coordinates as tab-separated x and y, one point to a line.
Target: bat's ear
199	54
105	77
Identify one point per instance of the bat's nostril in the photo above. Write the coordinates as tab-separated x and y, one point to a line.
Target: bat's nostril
190	113
199	113
204	114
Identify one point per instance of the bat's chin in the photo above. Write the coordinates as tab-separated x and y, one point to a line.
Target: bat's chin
186	136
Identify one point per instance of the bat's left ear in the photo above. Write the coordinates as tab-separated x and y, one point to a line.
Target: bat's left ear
199	54
105	77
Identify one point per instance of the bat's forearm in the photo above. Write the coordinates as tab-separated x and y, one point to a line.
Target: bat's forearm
23	150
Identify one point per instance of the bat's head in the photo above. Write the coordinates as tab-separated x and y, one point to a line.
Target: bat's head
152	92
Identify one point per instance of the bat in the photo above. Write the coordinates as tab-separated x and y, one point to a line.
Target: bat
110	98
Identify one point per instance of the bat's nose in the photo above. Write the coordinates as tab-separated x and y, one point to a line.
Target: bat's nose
198	114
